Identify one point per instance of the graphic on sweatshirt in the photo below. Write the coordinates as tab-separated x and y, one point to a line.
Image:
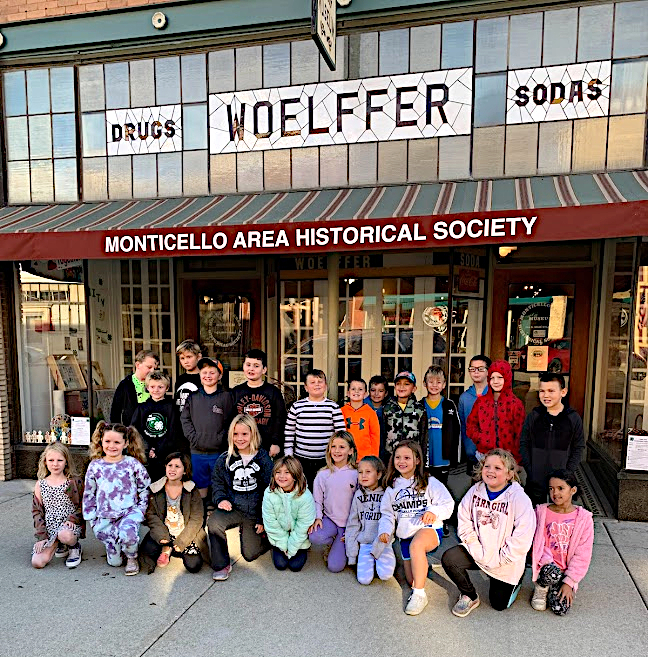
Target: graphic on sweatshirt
409	503
244	476
183	392
370	506
488	518
156	425
489	513
360	423
256	405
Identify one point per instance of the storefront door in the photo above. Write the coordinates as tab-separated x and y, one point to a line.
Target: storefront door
541	322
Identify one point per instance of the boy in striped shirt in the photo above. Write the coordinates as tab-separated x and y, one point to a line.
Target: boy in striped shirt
311	422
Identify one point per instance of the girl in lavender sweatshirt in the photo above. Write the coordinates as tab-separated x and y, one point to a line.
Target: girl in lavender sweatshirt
333	491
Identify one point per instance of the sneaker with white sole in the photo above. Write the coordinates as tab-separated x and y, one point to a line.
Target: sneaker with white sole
222	574
464	606
74	558
539	599
61	551
132	566
416	604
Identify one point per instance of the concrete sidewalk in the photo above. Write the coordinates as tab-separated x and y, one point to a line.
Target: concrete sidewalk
96	610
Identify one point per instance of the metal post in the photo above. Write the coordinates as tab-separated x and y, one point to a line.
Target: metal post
333	267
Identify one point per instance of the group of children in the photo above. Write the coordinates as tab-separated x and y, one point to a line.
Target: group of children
378	470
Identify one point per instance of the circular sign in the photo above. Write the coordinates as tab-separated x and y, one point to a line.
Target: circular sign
535	311
436	317
224	332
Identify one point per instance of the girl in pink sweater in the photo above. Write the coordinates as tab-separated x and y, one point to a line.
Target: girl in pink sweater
562	546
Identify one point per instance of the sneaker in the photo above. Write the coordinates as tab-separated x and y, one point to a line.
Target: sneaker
325	553
163	559
464	606
539	599
132	566
446	530
416	604
74	559
222	574
61	551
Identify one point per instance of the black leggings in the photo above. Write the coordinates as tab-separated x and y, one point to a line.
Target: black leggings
192	560
457	561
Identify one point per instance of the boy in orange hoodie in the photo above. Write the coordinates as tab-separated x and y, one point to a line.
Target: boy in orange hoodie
361	420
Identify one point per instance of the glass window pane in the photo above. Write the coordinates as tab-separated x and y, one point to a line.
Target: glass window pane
64	135
521	150
144	176
363	55
559	45
40	136
276	169
194	78
590	140
42	182
120	177
117	85
333	166
488	152
594	32
363	164
454	158
95	179
93	134
393	53
457	45
628	93
62	91
248	68
15	93
492	45
249	167
276	65
17	142
490	100
423	160
525	45
167	80
170	174
626	141
194	173
18	184
340	72
305	168
65	181
91	88
392	161
221	71
554	154
195	136
222	170
631	29
38	89
142	83
425	48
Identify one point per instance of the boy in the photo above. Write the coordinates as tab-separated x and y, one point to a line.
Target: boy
261	400
131	390
478	370
377	394
156	420
311	422
361	420
403	417
189	354
205	419
552	437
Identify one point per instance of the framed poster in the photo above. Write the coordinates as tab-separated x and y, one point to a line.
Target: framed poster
66	372
98	379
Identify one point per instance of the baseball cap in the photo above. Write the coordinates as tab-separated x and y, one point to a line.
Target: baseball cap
210	362
401	375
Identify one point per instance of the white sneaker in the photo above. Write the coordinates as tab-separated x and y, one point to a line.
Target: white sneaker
74	559
416	604
539	599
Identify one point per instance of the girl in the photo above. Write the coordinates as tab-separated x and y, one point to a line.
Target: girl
116	492
416	504
496	525
562	545
175	518
56	508
288	512
333	491
240	476
361	537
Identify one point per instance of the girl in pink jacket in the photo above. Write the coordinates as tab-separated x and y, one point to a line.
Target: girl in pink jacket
496	526
562	546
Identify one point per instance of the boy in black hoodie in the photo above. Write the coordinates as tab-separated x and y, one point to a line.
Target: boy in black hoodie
552	437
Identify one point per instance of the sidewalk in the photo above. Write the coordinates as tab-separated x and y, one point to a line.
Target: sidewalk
259	612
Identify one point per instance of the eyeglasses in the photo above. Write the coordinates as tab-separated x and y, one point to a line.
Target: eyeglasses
472	370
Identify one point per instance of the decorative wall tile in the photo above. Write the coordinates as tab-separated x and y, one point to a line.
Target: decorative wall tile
521	150
144	130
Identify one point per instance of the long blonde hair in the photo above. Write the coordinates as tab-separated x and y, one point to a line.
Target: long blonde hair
507	459
343	435
255	436
62	449
134	443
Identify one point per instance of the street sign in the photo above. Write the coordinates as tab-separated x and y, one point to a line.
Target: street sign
323	29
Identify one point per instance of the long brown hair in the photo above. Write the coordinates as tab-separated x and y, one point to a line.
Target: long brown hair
294	467
420	476
134	443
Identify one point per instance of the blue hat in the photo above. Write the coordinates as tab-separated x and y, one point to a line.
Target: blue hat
405	375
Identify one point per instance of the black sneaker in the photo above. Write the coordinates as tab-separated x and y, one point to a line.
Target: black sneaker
61	551
446	530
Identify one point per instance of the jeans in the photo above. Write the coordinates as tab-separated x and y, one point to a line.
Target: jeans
253	545
294	563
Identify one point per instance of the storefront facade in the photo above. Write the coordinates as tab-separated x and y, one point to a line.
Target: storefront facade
461	183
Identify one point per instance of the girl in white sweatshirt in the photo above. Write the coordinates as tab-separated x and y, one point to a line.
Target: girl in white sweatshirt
416	504
496	527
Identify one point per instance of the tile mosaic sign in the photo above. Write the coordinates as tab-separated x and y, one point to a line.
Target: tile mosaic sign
558	93
410	106
143	130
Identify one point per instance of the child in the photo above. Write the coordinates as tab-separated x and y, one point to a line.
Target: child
562	546
552	437
240	477
310	423
189	353
288	512
496	525
175	518
261	400
361	536
403	417
131	390
361	420
56	509
205	418
333	491
496	418
377	394
156	422
116	492
478	370
416	504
